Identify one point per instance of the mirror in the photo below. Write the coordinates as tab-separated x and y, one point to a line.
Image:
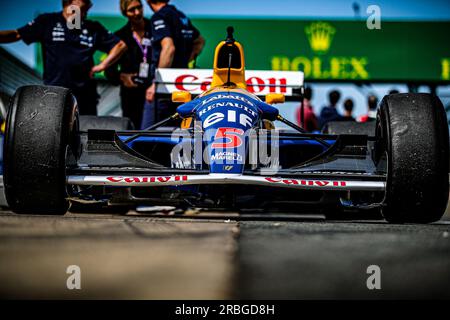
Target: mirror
273	98
181	96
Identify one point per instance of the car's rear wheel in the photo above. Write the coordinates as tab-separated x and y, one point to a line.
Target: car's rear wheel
40	131
413	143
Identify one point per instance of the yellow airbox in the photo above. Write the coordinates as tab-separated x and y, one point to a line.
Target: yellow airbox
229	64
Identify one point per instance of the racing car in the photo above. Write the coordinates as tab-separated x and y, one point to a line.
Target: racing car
223	149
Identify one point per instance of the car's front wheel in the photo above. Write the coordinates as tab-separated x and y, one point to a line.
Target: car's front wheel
413	144
40	130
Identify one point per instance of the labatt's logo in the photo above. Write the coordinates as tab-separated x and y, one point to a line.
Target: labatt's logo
320	36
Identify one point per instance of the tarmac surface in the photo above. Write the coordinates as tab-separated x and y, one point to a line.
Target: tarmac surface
220	256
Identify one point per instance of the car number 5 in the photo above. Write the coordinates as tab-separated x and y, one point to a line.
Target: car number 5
232	138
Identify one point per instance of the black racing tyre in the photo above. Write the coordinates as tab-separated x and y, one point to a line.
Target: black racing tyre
413	142
350	127
40	131
105	123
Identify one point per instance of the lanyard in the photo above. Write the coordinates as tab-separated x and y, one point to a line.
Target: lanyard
144	48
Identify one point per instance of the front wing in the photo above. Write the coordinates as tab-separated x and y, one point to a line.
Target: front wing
213	179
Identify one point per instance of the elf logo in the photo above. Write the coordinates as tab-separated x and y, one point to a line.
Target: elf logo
231	116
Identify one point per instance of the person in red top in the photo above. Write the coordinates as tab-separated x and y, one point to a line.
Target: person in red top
310	119
372	103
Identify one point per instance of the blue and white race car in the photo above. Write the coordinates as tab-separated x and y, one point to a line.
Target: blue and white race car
227	151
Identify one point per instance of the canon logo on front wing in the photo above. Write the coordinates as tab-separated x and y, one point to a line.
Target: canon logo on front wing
311	183
293	182
146	179
255	84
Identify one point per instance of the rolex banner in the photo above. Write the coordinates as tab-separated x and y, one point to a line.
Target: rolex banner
339	50
332	50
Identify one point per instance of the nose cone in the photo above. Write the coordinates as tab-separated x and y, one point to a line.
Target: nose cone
226	148
227	119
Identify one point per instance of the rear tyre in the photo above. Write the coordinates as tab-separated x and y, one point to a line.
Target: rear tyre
40	131
412	139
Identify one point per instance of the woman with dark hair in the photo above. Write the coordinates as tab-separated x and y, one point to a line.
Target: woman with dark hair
132	71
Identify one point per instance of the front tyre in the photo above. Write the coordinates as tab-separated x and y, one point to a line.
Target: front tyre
413	141
40	130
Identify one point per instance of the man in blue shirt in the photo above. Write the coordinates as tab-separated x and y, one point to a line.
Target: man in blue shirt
330	113
176	42
68	52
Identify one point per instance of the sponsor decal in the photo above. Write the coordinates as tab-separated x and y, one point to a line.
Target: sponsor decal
227	96
147	179
255	84
217	117
185	79
311	183
86	39
232	137
184	21
58	33
227	104
228	156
